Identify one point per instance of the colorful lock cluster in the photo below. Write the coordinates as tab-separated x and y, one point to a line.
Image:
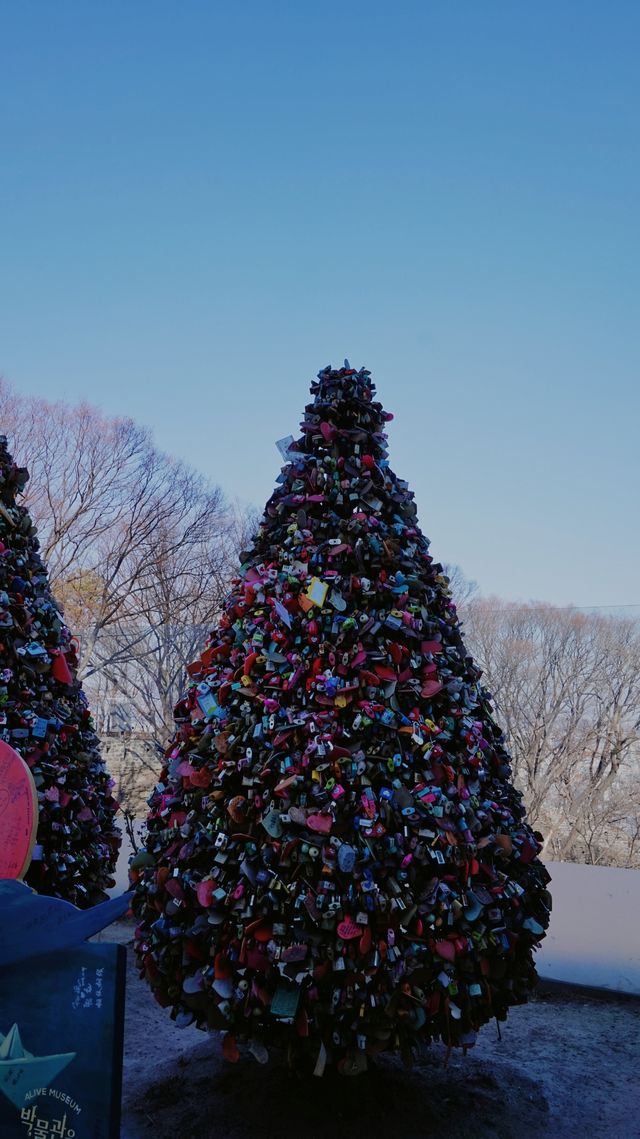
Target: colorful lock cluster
44	716
336	858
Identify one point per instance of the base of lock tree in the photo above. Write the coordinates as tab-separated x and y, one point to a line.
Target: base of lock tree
310	1042
336	856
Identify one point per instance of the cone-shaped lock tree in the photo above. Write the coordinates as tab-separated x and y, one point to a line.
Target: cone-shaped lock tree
44	715
336	856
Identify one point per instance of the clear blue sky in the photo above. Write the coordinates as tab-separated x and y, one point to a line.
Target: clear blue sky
203	203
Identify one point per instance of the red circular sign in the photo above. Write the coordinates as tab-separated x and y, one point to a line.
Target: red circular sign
18	814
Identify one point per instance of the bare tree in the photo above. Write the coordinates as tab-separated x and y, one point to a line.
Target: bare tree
463	589
144	653
111	512
606	831
567	690
139	549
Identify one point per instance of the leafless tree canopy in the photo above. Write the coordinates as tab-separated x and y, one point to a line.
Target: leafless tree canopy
463	590
138	546
567	691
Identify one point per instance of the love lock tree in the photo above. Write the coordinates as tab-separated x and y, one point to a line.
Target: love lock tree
336	857
44	715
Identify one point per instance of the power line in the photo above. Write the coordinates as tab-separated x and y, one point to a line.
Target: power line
545	604
626	605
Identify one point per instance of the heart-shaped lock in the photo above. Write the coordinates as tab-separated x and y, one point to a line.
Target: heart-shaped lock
431	688
297	816
321	824
446	950
348	930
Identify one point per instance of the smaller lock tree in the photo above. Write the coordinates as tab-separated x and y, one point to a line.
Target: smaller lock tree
44	715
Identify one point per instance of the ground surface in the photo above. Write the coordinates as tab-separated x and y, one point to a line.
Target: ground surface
568	1067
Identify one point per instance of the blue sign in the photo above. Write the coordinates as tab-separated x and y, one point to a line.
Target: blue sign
61	1038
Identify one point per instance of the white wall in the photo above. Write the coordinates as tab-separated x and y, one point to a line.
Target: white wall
594	935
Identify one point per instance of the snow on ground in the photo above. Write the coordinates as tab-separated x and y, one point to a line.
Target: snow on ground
567	1067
